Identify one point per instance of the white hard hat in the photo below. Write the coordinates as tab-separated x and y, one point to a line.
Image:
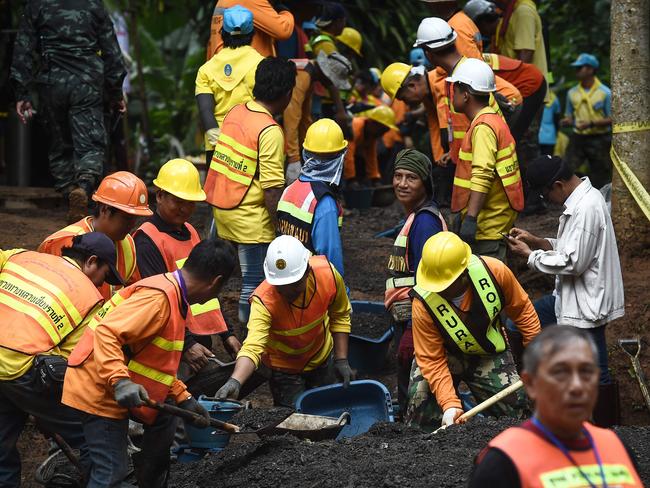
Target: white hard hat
286	261
475	73
434	33
475	8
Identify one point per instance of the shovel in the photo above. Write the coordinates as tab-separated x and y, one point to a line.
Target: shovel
632	347
486	403
195	418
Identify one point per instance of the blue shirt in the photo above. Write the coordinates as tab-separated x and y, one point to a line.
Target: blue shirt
547	128
424	226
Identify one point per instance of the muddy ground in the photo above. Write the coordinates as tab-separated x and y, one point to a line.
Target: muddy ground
374	465
369	325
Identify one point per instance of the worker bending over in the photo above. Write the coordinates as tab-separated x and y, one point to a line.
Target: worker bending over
130	353
45	302
457	331
558	446
120	199
299	325
488	190
308	209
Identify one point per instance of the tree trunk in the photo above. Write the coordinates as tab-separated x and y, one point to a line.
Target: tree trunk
630	60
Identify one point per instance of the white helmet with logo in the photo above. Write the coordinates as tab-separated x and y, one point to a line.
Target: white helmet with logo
286	261
434	33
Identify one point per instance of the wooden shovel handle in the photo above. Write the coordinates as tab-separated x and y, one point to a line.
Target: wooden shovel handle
197	419
491	401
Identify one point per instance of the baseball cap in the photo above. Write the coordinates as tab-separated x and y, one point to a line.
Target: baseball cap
586	59
544	170
100	245
238	21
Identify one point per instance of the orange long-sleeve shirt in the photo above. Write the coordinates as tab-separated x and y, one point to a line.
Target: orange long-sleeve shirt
269	26
368	148
134	322
430	352
468	41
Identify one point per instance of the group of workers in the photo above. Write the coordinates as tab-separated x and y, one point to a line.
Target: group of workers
114	319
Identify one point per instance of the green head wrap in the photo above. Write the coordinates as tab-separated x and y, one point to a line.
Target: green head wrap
418	163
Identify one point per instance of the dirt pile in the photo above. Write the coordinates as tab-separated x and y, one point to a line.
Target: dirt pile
256	418
369	325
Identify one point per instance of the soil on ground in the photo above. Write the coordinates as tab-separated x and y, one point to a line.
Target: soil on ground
369	325
256	418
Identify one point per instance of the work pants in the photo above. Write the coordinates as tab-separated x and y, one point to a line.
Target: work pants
405	356
589	154
26	396
107	440
251	263
75	120
287	387
484	375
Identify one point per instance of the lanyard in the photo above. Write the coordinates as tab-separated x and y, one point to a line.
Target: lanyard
557	443
181	283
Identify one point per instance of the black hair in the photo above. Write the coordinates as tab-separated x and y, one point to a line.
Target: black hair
274	78
367	78
211	258
551	340
77	254
97	209
236	41
331	11
489	17
482	98
444	51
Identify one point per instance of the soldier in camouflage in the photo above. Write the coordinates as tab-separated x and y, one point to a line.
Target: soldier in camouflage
67	52
459	300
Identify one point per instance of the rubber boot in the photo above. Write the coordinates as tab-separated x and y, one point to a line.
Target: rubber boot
78	201
607	412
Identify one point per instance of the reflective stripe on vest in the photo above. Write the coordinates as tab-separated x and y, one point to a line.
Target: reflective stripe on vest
43	298
206	317
468	338
549	468
507	165
297	334
234	163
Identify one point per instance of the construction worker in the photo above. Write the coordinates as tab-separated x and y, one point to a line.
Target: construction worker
468	41
589	111
55	54
46	302
332	72
246	177
105	383
485	16
308	209
121	198
299	325
271	23
368	128
560	375
457	331
413	186
488	190
229	76
164	242
350	42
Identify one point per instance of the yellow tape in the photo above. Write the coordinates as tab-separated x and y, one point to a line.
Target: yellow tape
633	184
630	127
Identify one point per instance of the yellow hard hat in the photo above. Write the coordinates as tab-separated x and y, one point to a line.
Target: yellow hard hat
382	114
324	136
180	178
393	77
444	258
351	38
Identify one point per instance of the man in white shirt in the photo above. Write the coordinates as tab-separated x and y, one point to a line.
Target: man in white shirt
584	257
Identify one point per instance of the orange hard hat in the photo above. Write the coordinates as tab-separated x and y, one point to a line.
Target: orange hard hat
124	191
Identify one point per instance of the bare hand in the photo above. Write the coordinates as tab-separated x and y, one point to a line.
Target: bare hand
444	160
232	345
518	247
523	235
582	125
197	356
25	110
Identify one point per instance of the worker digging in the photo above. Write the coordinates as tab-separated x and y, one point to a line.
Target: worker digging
355	262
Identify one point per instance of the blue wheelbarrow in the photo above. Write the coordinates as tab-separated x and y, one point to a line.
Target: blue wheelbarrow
367	355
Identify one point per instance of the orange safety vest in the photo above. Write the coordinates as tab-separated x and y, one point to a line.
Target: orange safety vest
525	77
155	365
402	274
507	166
126	258
235	160
297	206
542	465
298	334
205	317
43	298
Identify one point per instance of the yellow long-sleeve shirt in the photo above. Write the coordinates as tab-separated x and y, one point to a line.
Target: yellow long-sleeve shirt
260	322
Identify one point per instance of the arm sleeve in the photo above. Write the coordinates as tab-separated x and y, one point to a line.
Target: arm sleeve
569	105
271	157
22	74
524	20
340	309
258	326
114	68
484	158
431	357
137	319
202	82
71	340
607	109
150	261
494	469
178	391
5	255
278	25
325	232
293	115
517	306
424	226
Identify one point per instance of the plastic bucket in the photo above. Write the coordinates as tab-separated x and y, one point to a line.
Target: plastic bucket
368	355
209	437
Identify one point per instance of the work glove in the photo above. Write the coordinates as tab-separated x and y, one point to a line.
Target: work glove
450	415
212	135
342	367
193	406
293	171
229	390
129	394
468	229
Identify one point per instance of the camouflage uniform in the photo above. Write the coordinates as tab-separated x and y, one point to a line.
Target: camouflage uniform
484	375
79	60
